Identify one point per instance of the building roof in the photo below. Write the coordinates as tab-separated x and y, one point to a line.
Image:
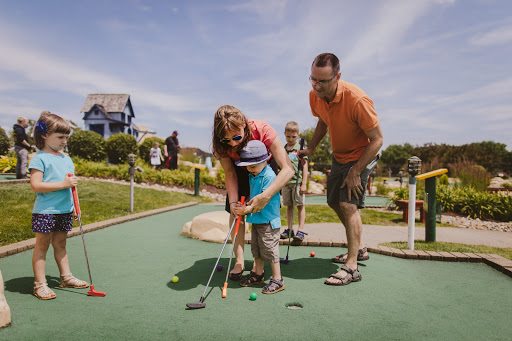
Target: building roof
110	102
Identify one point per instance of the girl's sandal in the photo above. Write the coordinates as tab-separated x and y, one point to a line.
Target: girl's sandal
42	291
70	281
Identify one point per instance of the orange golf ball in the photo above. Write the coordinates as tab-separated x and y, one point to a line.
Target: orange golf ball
312	254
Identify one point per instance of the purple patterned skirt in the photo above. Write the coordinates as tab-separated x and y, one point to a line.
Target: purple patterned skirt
47	223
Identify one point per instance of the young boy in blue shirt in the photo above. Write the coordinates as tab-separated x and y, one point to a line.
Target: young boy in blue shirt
266	224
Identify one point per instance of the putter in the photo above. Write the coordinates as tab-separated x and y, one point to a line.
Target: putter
286	260
201	303
225	288
91	292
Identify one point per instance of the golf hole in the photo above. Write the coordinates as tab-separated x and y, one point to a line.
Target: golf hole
294	306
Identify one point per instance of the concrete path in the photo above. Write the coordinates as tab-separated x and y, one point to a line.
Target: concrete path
375	234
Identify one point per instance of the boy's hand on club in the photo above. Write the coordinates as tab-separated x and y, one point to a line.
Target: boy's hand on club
239	209
303	189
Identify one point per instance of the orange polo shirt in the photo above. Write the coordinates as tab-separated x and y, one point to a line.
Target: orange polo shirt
348	116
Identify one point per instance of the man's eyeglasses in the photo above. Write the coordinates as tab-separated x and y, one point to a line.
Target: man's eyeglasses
234	138
320	81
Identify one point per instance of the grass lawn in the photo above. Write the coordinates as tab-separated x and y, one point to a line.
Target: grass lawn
452	247
98	201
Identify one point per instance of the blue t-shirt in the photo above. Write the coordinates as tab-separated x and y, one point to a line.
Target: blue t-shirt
271	212
55	169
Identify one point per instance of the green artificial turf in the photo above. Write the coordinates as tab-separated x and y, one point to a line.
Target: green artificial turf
133	262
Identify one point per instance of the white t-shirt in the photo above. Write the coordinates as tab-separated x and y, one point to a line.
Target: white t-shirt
155	154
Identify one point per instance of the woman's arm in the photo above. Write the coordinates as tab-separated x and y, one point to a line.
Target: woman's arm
261	200
38	186
231	180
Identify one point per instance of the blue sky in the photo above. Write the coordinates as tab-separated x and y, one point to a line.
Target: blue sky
437	70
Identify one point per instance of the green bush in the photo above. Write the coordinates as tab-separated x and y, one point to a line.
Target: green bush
507	185
178	177
471	174
7	164
119	146
87	145
4	142
146	146
443	180
471	202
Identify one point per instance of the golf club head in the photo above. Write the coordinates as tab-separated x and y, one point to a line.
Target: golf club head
196	305
93	292
284	261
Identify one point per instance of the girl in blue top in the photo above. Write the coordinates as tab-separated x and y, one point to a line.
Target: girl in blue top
52	216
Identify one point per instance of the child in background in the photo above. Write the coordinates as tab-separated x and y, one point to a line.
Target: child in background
297	186
266	223
156	155
52	215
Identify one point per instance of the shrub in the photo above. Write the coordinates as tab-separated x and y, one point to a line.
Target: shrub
87	145
443	180
7	163
507	185
119	146
146	146
4	142
476	204
471	174
382	189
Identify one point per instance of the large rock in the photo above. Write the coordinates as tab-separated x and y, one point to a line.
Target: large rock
210	227
5	311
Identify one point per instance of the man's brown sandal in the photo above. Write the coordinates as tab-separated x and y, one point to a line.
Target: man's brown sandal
351	276
360	256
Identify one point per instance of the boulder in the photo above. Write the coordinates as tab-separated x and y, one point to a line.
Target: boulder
210	227
5	311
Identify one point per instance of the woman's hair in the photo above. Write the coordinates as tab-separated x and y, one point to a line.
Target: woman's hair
228	117
22	119
49	123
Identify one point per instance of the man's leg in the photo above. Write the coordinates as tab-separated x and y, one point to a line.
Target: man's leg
351	219
24	163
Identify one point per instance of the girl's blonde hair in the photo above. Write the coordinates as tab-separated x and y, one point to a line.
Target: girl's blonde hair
228	117
54	124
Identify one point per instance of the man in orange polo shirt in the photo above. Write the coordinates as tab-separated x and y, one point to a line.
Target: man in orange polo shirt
356	139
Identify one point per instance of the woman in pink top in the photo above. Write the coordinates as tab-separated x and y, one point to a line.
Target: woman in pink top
231	132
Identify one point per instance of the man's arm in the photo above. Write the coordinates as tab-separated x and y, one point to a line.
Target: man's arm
353	179
318	135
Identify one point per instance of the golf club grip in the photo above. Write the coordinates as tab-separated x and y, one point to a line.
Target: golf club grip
225	290
242	201
301	143
75	198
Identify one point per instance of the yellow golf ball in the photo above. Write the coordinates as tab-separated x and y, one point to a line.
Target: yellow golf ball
175	279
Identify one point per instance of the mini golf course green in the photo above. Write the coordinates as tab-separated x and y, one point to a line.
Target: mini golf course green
134	262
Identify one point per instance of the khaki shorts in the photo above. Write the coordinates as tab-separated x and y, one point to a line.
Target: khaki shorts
265	242
287	193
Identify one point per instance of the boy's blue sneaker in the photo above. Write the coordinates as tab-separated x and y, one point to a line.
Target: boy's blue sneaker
300	236
286	234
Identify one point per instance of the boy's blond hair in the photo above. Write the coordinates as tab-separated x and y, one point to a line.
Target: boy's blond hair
292	126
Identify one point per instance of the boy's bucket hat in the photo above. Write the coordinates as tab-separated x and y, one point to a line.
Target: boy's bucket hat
253	153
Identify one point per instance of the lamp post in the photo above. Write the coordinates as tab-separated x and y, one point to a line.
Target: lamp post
132	158
413	167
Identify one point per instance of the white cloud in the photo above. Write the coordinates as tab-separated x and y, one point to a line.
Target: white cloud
500	35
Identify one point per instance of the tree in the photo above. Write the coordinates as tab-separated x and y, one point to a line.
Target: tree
4	142
395	156
322	156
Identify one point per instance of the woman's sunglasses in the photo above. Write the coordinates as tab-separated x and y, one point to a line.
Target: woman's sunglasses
234	138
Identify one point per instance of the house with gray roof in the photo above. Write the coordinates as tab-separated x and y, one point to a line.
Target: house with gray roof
109	114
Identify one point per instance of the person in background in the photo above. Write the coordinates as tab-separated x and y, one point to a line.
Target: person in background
171	149
155	155
297	186
21	147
